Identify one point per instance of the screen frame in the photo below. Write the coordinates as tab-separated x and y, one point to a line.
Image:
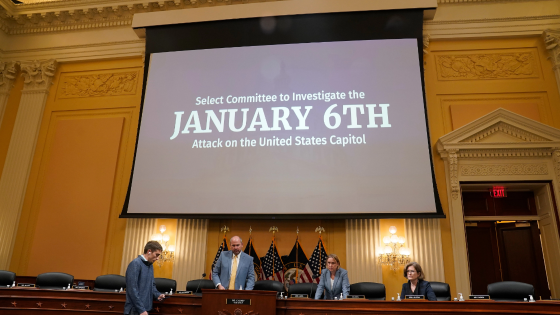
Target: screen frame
304	28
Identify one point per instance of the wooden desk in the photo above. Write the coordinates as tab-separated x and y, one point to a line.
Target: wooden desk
31	301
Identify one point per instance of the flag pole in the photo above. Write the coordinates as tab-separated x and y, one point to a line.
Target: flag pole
273	229
320	229
250	230
297	252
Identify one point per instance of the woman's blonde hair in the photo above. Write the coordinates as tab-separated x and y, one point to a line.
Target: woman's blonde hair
418	270
335	257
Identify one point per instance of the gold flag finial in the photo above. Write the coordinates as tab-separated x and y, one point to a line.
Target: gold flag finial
273	229
297	230
250	230
224	229
320	229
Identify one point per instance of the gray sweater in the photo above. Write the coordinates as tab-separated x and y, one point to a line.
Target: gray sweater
140	286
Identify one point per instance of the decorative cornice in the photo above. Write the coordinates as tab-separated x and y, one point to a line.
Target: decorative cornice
100	84
505	128
504	169
494	20
479	1
552	44
503	153
38	75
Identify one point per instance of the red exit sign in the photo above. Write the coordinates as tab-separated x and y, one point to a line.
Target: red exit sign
498	192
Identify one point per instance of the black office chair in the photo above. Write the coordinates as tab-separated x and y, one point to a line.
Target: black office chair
7	278
303	288
371	290
165	285
109	283
196	286
54	280
269	285
442	290
510	291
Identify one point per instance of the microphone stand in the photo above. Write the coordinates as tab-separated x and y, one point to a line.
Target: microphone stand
199	281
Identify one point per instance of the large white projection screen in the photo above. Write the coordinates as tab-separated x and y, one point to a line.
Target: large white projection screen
317	128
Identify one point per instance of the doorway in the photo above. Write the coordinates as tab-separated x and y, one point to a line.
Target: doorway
500	246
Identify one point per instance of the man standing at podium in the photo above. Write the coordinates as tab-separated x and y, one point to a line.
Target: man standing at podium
234	269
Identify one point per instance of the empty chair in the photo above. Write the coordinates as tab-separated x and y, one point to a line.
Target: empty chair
303	288
269	285
165	285
371	290
510	291
7	278
109	283
54	280
442	290
196	286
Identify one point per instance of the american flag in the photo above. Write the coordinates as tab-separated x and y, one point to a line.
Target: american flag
223	247
317	262
272	260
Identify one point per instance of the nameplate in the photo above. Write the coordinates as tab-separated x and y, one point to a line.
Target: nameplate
479	297
27	285
300	296
184	292
356	297
80	287
238	301
414	297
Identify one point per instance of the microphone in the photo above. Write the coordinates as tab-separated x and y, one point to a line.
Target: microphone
199	281
314	276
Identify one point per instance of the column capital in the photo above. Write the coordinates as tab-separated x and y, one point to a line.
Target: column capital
38	74
7	76
552	44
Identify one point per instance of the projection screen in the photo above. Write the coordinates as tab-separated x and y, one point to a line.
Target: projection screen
319	129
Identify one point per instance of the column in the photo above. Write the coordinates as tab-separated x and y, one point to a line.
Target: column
362	241
137	234
7	76
423	237
190	251
13	184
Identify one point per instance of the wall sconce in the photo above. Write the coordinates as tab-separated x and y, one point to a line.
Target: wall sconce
395	253
168	253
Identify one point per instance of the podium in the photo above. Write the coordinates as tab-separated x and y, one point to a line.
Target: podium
238	302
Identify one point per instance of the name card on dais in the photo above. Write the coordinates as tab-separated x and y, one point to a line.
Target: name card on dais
238	301
479	297
300	296
26	285
356	297
414	297
184	292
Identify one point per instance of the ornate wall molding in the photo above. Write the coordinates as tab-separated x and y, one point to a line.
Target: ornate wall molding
38	75
7	75
453	173
487	66
504	153
504	169
494	20
101	84
552	44
508	129
474	1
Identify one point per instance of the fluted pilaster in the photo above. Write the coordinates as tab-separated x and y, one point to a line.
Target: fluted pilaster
137	234
7	76
190	252
423	237
362	241
13	184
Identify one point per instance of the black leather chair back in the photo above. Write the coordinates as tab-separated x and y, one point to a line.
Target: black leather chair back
7	278
303	288
54	280
200	284
165	285
510	291
442	290
371	290
109	283
269	285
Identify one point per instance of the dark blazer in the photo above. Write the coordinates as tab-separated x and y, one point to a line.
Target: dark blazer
245	277
422	288
340	285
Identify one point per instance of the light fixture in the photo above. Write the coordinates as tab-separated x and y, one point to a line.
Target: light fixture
394	253
168	252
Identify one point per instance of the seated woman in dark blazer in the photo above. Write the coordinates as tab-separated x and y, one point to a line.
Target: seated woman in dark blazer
334	280
416	284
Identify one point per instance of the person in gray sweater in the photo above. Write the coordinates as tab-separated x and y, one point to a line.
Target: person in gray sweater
140	284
